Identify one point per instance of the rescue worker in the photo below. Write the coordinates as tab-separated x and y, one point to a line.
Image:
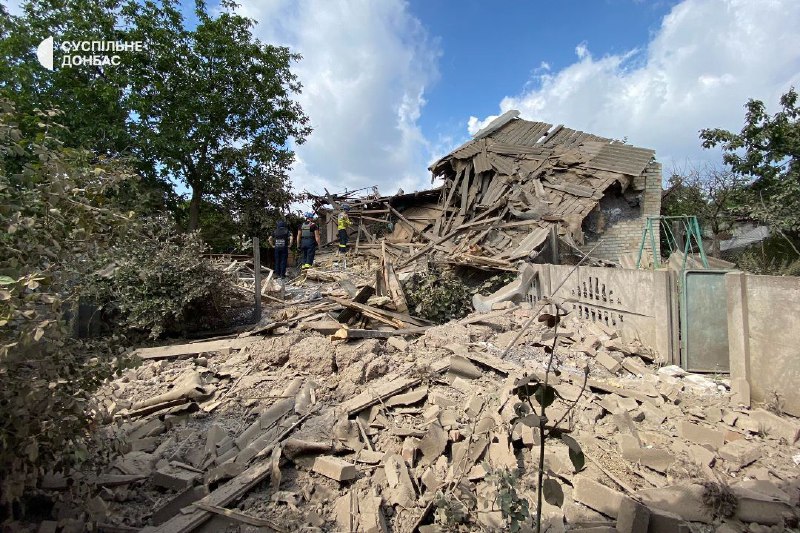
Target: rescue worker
282	240
342	223
308	240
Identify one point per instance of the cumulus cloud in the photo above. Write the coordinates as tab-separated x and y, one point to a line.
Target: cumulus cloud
365	69
701	66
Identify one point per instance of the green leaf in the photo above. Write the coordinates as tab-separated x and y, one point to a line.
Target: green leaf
551	320
545	395
575	452
5	280
552	492
532	420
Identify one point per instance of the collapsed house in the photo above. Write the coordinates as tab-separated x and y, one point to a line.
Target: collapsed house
511	187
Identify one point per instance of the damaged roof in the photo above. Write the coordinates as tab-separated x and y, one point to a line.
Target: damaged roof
530	175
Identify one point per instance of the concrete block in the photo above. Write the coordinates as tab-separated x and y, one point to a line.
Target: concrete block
740	453
655	458
701	435
398	343
335	468
633	517
173	478
759	508
608	362
433	443
597	496
666	522
686	501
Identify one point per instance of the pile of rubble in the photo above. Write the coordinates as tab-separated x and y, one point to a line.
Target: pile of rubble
335	415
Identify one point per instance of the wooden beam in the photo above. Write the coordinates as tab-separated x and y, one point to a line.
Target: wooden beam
408	319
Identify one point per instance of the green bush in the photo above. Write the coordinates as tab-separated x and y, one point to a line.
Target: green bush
56	217
438	296
155	280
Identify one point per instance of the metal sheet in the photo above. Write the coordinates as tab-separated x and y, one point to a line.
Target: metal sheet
704	327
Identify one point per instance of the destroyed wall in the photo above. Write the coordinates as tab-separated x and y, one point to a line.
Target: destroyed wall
636	303
763	326
620	224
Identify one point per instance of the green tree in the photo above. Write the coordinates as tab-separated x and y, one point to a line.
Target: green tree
212	105
713	195
766	152
91	98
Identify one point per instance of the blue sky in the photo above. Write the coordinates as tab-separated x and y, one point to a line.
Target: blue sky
392	85
490	50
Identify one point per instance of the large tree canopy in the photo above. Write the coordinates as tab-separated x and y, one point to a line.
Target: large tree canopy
213	105
205	104
766	151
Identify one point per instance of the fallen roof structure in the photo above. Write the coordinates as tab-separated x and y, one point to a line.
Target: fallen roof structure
516	180
509	188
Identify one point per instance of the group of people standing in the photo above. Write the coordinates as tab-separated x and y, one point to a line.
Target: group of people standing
307	240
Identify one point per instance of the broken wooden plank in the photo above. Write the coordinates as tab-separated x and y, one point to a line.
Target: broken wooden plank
373	395
395	289
239	516
400	317
194	348
348	312
352	333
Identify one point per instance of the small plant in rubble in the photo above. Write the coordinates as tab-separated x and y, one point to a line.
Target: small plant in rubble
438	296
515	509
720	499
532	388
450	513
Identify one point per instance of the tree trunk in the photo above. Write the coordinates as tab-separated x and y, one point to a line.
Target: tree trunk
194	209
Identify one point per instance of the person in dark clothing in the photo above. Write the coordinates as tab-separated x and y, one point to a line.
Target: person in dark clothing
308	239
282	240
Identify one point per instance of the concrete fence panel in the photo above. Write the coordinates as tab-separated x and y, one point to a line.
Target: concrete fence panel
764	336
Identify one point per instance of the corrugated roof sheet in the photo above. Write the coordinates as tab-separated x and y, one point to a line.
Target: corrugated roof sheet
622	158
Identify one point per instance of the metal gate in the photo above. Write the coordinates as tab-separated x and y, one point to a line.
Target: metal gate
704	321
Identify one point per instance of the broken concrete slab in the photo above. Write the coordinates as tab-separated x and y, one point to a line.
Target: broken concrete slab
409	398
433	444
760	508
701	434
632	517
666	522
463	367
398	343
740	453
173	478
335	468
608	362
701	455
597	496
655	458
686	501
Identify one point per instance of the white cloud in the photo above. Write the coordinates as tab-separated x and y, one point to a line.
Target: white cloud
702	65
365	69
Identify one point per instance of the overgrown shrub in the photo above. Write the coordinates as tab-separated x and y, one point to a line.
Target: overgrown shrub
156	281
55	218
